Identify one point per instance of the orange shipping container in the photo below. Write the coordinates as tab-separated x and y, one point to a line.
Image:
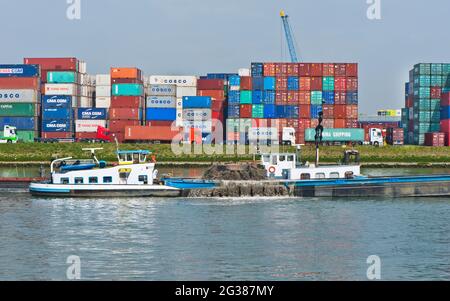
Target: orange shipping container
340	111
133	73
305	83
155	133
214	94
340	123
352	112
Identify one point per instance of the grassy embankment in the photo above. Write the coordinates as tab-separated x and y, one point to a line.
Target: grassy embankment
39	152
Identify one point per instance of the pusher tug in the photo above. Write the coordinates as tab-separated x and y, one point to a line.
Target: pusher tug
133	176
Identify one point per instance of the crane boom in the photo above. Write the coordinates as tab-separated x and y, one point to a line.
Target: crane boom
289	37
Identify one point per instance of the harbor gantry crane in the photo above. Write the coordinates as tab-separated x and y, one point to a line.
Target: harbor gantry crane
289	36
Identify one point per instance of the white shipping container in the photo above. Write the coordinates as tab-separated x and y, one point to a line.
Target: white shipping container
103	91
179	119
179	103
103	102
197	114
103	80
244	72
19	95
205	126
180	81
85	102
263	134
88	126
61	89
186	91
82	66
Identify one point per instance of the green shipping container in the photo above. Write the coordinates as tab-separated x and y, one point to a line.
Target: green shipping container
18	110
422	104
422	116
435	127
246	97
422	69
436	81
419	139
26	136
435	116
422	92
316	97
257	111
422	81
436	69
445	69
328	83
422	128
127	90
63	77
336	135
435	104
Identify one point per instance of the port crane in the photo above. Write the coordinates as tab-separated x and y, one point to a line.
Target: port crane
289	36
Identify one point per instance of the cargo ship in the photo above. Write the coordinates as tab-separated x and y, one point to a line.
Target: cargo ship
133	176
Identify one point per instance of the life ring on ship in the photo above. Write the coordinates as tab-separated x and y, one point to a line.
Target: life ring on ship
272	169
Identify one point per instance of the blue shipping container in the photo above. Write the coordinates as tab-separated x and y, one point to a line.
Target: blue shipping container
92	113
21	123
351	98
257	69
161	114
269	97
280	111
258	83
234	80
196	102
233	111
257	97
293	83
269	83
315	109
56	101
328	97
234	97
292	112
445	113
269	111
224	76
57	125
57	113
19	70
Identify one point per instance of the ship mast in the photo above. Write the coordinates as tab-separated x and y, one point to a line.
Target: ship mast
318	137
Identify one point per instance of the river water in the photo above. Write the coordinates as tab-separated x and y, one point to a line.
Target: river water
223	239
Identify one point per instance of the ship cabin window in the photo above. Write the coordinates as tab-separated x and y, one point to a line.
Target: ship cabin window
290	158
349	175
266	158
93	180
79	180
305	176
320	175
282	158
64	180
136	159
107	179
142	158
334	175
144	179
274	160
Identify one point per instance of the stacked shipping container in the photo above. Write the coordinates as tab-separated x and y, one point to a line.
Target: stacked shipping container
292	95
445	117
20	100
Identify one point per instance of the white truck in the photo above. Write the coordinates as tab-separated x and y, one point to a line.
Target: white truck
9	135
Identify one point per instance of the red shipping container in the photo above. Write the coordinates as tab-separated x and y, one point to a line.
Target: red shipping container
91	136
281	83
261	123
57	135
269	69
126	102
126	73
339	98
340	111
300	138
340	84
213	84
292	123
217	116
281	97
304	69
304	97
246	111
125	81
63	64
304	111
159	123
351	123
447	139
120	136
316	83
314	123
339	123
281	69
293	97
44	76
304	124
305	83
340	69
328	111
352	84
445	126
217	106
118	126
292	69
352	111
316	69
246	83
328	123
436	92
19	83
435	139
214	94
445	99
328	69
409	103
352	70
154	133
125	113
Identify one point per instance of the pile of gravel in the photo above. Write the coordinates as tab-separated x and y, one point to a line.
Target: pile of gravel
235	172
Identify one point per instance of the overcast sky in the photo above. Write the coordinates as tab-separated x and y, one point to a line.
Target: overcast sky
200	36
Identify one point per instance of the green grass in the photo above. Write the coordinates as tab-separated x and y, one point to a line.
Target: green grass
41	152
